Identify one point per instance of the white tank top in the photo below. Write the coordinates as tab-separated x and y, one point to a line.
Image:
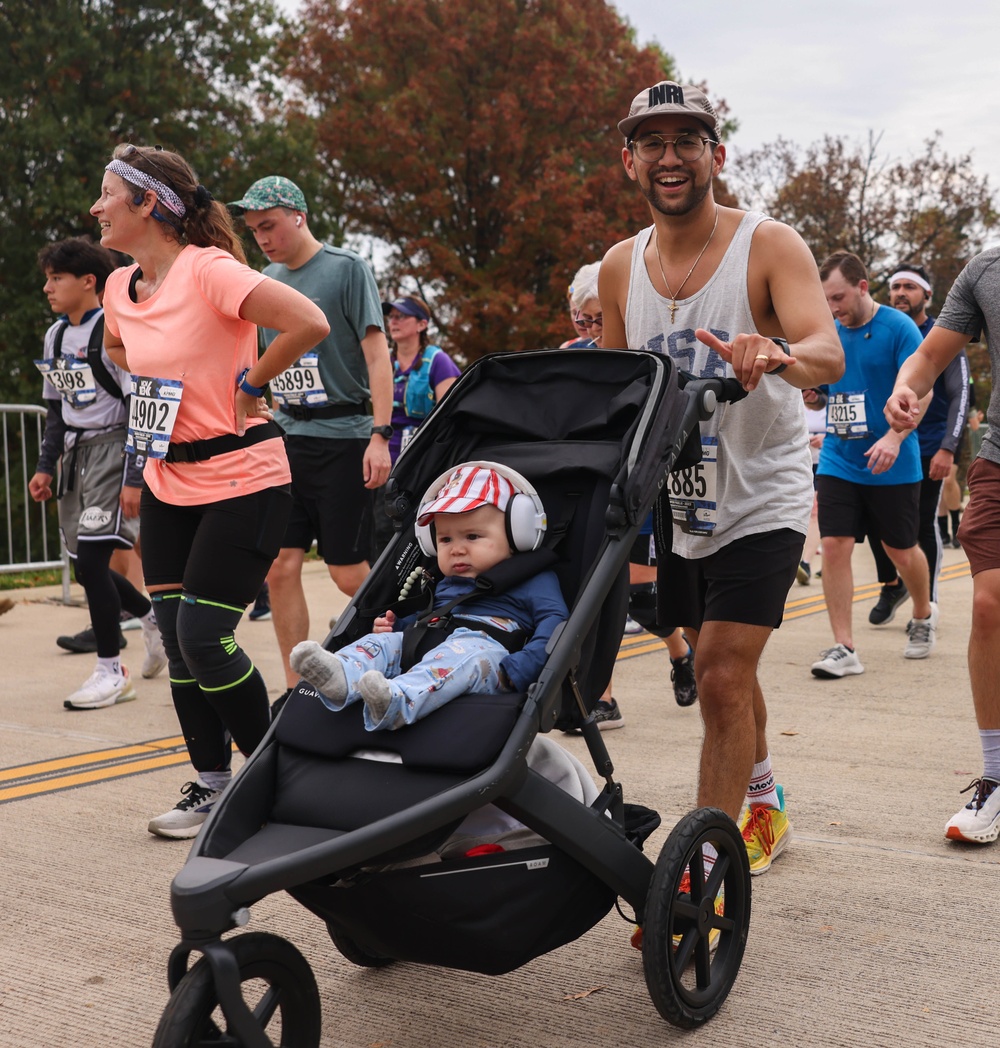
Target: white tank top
756	473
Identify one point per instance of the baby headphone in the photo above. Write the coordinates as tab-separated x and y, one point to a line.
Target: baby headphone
524	516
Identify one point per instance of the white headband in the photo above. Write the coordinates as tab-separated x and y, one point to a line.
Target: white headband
169	198
908	274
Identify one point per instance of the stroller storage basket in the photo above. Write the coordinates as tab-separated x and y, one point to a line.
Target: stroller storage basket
489	914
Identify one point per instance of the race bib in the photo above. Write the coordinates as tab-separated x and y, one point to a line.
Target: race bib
300	385
73	380
692	492
152	413
845	416
406	436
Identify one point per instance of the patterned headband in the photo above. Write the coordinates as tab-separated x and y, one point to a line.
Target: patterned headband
168	197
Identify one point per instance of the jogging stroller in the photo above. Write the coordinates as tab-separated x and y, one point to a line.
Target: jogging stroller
596	432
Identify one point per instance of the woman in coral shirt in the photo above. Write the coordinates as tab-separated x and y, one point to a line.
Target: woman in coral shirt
213	509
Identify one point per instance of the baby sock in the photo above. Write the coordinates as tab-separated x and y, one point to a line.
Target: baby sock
321	668
375	693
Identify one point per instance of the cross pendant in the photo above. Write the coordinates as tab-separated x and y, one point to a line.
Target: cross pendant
673	310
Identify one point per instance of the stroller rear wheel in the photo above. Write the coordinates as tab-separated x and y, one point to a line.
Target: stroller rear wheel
352	951
697	918
276	984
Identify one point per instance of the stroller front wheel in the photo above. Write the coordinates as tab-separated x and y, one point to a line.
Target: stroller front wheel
276	984
697	918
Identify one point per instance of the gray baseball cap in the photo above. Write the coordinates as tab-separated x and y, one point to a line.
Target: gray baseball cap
670	99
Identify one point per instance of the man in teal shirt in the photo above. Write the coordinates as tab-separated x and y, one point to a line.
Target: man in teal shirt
334	403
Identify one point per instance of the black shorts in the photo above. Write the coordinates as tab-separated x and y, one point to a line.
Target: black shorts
220	550
330	503
844	509
746	581
643	551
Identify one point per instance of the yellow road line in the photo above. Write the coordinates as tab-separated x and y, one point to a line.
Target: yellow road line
23	771
68	782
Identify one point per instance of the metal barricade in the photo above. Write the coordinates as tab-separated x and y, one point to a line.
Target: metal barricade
31	537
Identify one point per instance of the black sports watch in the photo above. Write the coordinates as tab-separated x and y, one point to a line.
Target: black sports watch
783	344
383	431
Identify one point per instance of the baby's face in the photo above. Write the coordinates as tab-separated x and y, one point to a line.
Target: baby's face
470	543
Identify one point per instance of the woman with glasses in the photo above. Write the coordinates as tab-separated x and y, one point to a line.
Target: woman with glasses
183	320
421	375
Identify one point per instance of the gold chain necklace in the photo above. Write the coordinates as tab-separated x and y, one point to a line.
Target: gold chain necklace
656	247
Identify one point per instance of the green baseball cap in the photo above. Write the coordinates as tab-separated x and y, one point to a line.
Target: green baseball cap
273	191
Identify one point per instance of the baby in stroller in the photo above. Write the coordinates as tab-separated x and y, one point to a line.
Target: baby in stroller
492	638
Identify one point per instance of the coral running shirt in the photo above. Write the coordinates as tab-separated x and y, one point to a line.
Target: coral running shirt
190	330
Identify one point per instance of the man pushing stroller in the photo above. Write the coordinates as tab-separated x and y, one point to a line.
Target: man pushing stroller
474	518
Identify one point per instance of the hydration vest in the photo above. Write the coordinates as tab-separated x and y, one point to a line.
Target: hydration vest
418	399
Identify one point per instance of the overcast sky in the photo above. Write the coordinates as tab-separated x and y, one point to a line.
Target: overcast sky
799	69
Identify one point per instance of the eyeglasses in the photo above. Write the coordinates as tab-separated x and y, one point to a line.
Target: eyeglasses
589	322
650	148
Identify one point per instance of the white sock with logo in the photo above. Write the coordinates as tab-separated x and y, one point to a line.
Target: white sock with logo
762	789
111	665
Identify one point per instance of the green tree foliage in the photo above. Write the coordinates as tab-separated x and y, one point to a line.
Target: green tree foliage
478	141
932	210
79	76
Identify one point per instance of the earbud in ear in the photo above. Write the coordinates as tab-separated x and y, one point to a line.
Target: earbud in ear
298	220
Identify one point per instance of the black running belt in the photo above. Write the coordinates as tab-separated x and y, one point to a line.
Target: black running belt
199	450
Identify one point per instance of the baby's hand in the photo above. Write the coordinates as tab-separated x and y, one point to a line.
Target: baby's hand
384	623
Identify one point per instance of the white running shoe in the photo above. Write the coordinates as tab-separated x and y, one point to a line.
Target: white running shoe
102	688
979	820
156	657
184	820
921	635
838	661
632	627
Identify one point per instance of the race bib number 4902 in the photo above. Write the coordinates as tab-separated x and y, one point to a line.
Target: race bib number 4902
692	492
152	413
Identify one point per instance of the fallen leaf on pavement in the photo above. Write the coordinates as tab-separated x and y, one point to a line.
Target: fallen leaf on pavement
584	993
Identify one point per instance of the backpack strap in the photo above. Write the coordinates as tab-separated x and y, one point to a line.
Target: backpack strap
96	360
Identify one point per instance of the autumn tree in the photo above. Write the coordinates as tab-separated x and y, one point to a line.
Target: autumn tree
79	76
477	140
933	210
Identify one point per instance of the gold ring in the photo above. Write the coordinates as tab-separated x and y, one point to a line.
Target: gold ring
763	356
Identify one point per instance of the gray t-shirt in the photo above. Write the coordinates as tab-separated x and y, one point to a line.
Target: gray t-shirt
973	308
341	283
